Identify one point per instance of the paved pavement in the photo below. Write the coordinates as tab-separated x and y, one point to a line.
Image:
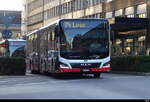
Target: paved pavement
110	86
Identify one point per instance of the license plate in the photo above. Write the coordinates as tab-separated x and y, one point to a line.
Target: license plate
86	70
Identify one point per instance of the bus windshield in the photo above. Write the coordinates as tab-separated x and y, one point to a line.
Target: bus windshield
14	45
84	39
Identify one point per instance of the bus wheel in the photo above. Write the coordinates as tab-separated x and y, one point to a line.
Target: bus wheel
97	75
33	72
55	75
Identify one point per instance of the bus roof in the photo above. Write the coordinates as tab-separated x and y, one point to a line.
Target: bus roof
57	21
86	19
32	32
16	40
11	40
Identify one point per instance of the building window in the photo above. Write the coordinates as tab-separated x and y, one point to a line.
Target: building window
118	13
142	15
129	12
35	18
35	4
130	16
109	15
142	11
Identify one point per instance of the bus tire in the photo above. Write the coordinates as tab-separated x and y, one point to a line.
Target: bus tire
33	72
54	75
97	75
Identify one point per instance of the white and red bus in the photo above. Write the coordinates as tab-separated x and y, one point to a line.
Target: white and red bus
71	46
10	46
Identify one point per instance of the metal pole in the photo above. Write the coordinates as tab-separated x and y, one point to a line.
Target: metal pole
60	9
72	7
147	46
85	6
43	12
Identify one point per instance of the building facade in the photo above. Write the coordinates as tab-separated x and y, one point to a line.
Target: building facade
136	42
10	24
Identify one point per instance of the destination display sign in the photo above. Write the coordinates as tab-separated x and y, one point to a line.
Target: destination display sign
80	24
74	25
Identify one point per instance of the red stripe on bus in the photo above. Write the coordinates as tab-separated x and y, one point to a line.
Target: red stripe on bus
106	69
69	70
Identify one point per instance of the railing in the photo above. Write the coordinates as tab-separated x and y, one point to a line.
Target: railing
12	25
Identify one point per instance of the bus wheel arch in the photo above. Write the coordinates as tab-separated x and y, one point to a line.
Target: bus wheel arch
97	75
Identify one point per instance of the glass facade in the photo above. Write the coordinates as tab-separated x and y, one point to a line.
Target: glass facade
132	43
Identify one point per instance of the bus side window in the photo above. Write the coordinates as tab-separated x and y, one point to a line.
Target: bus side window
50	40
57	31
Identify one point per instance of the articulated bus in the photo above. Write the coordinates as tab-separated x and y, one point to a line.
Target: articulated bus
75	46
9	47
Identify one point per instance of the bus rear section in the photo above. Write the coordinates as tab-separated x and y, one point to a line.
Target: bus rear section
83	47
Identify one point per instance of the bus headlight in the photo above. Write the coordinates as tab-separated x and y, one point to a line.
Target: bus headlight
64	66
106	64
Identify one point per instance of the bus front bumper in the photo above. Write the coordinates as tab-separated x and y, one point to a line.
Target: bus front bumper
81	70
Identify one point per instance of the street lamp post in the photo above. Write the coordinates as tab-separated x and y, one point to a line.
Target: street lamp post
60	9
72	7
85	6
43	12
148	30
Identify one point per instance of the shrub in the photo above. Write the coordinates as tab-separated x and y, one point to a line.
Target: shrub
12	66
131	64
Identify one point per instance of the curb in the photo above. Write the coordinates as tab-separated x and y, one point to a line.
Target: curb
147	74
131	73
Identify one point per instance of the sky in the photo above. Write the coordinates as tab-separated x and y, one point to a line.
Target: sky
11	5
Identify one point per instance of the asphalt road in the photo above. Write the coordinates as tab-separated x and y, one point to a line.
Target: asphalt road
109	86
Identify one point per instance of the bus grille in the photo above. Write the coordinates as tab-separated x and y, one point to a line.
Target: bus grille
87	65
